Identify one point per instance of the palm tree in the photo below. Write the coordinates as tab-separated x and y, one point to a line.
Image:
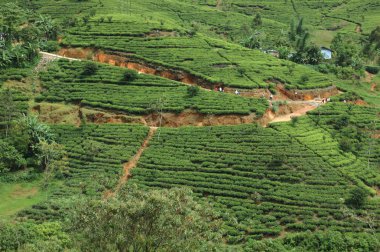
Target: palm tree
46	25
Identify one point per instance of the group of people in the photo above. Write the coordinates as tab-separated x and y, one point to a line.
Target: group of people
221	89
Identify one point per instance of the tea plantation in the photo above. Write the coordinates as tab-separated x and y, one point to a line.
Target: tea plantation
109	89
263	181
189	125
95	157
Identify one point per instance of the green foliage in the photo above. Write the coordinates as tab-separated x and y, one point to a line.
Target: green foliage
48	27
372	69
19	42
241	71
90	68
135	97
51	157
9	110
10	158
304	79
192	91
50	46
294	120
372	47
253	41
346	52
228	165
48	237
358	197
130	75
257	20
318	242
38	132
156	220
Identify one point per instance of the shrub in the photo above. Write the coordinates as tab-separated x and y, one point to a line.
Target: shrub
130	75
50	46
357	198
10	158
304	79
192	91
346	144
90	68
372	69
294	120
241	71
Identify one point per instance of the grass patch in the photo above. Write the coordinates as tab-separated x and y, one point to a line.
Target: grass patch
15	197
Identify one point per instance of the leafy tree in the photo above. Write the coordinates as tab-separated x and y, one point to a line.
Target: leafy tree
137	220
299	37
346	144
283	52
253	41
51	157
346	52
48	27
372	46
340	122
92	148
11	16
29	237
358	196
10	158
374	37
298	34
314	55
36	132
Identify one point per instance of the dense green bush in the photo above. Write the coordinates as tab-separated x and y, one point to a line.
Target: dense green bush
90	68
192	91
130	75
318	242
358	197
48	237
372	69
50	46
10	158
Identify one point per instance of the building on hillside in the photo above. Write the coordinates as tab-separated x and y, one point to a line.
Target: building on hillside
326	53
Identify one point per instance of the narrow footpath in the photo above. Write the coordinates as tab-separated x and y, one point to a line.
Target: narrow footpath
132	163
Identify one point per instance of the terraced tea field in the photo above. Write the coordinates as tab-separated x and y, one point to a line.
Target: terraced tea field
95	158
263	181
150	95
108	89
